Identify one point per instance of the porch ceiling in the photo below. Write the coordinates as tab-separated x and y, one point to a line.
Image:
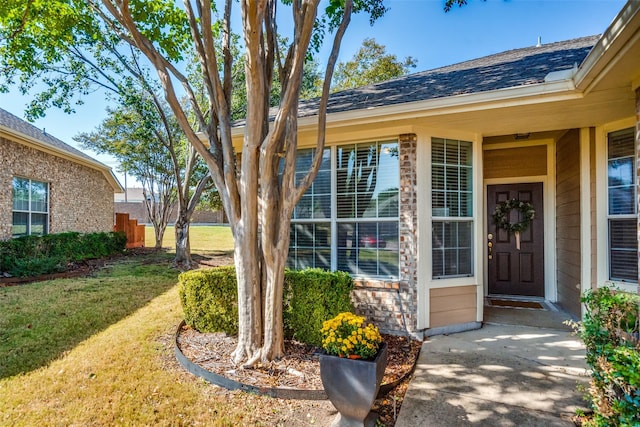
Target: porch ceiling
595	109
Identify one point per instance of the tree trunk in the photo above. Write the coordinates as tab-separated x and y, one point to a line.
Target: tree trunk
273	344
248	274
183	249
159	234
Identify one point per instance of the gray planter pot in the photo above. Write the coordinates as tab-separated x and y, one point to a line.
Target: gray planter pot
352	386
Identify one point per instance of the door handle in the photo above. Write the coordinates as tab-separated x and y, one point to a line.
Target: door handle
490	250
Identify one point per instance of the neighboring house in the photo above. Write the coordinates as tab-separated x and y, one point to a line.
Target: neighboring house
132	202
415	168
48	186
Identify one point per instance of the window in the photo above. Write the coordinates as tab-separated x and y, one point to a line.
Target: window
310	244
452	208
353	224
30	207
622	208
368	178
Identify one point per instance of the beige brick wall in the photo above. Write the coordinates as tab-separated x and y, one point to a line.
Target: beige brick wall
392	305
80	198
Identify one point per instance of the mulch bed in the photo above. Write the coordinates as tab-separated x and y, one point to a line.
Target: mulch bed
299	368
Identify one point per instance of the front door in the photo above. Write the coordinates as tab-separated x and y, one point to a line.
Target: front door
513	270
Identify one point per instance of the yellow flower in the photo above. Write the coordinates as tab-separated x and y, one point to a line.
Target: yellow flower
347	334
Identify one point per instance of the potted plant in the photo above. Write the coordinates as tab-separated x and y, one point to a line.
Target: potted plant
351	367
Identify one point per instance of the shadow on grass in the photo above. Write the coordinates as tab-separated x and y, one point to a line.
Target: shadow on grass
40	321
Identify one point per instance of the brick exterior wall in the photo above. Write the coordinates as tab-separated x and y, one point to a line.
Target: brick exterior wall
392	305
80	198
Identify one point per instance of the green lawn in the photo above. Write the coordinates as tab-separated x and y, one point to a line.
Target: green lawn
208	238
98	351
41	321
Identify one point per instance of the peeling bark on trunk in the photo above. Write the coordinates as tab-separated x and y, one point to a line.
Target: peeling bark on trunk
248	275
183	249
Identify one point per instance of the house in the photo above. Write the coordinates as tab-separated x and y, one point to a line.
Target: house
418	170
49	186
132	202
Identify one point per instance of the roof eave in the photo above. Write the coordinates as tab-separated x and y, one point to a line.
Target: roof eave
557	90
610	47
514	96
29	141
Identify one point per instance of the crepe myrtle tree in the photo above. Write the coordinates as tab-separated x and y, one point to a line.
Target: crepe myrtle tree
258	188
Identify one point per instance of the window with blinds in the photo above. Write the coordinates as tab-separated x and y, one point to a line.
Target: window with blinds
452	208
30	207
310	238
622	206
349	219
367	182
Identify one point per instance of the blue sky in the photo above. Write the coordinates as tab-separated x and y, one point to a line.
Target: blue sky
417	28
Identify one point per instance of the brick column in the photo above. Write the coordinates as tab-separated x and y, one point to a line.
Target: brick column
408	285
393	304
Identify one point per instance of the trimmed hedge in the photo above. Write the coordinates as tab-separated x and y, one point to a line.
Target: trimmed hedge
209	301
312	296
610	331
34	255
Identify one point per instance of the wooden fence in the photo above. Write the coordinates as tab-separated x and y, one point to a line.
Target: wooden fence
130	227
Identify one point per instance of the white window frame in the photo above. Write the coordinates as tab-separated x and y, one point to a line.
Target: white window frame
335	221
602	207
29	211
425	219
611	216
460	219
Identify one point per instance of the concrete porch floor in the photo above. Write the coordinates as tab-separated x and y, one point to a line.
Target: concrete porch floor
551	316
520	369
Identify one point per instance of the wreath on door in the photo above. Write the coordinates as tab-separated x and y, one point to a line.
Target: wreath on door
501	215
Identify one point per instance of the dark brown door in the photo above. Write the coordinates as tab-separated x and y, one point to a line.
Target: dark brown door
514	271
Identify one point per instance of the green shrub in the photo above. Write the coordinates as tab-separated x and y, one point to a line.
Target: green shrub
210	299
34	255
610	333
312	296
66	245
24	267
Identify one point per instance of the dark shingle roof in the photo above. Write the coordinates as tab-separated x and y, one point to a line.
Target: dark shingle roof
513	68
17	124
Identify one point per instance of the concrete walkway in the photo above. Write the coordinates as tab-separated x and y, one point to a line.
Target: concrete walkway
500	375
